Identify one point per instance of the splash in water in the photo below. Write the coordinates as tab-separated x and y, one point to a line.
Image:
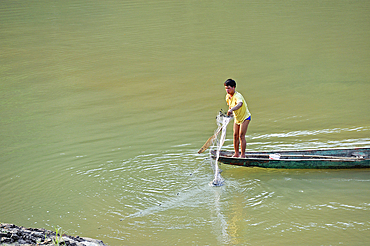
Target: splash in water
222	122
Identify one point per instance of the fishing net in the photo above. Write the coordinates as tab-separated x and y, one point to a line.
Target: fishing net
222	121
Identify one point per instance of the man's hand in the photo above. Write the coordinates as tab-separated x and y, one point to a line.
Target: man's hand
229	112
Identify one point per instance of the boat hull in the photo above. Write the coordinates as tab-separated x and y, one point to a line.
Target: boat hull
306	159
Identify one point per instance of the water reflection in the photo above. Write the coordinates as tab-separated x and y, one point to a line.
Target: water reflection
220	222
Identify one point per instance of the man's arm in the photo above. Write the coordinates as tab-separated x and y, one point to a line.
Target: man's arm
238	106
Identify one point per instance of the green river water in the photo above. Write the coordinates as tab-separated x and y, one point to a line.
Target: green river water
104	104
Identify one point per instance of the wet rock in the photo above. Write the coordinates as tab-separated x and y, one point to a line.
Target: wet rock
18	235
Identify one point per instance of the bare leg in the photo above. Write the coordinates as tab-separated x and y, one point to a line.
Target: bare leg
242	131
236	140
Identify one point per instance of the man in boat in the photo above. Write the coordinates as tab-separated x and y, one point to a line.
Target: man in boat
242	116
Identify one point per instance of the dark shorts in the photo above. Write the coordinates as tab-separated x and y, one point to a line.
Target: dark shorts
249	118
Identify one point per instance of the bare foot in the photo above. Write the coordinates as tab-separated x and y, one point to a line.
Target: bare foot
236	155
242	156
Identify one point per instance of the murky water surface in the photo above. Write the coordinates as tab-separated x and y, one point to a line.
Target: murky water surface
104	104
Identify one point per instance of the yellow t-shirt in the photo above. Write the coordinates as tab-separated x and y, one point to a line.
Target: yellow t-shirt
242	113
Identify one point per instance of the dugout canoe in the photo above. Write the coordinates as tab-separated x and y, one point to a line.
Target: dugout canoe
300	159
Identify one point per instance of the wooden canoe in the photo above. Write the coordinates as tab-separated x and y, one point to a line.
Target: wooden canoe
301	159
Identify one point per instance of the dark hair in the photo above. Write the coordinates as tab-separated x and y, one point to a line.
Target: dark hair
230	82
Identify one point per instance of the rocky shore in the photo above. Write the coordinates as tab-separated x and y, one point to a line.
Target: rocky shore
17	235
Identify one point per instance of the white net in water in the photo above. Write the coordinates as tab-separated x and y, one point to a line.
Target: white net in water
222	122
